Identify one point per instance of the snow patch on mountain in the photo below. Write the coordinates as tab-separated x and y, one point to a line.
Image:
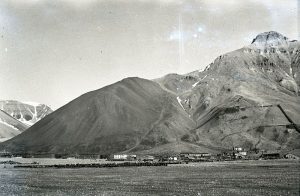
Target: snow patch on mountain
194	85
179	101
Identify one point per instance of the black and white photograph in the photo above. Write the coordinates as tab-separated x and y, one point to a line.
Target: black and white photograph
150	97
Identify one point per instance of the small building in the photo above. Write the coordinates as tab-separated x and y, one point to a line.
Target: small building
173	158
120	157
240	155
291	156
271	155
237	149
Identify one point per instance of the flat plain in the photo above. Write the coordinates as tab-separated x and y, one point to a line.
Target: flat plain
269	177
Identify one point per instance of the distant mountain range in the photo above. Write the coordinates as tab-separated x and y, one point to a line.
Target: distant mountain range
247	98
16	117
26	112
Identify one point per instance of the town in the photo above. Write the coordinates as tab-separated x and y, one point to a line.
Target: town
119	160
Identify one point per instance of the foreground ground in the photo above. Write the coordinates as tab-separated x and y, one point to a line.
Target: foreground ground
278	177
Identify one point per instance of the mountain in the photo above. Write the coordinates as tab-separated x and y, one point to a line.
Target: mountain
235	99
247	98
9	127
26	112
133	114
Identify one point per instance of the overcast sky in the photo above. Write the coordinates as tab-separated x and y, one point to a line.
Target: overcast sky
52	51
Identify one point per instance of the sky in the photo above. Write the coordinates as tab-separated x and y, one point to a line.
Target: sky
52	51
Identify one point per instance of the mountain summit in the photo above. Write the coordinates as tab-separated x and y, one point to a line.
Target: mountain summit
247	98
270	39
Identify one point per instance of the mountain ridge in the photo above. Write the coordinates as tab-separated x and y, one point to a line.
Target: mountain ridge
233	102
26	112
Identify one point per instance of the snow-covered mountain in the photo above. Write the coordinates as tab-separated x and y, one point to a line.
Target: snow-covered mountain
247	98
26	112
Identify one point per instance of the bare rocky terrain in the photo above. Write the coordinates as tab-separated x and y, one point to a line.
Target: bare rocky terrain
233	102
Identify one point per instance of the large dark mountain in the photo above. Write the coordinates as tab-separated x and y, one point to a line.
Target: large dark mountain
133	114
233	102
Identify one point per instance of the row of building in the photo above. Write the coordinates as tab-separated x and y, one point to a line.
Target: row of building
162	158
237	153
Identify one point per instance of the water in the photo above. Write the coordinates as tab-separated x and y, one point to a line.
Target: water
231	178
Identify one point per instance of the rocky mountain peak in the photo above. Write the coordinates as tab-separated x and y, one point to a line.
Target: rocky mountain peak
271	38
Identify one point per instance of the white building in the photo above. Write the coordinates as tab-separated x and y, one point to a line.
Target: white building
120	156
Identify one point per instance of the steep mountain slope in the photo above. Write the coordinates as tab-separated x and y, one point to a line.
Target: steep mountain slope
9	127
233	102
133	114
26	112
